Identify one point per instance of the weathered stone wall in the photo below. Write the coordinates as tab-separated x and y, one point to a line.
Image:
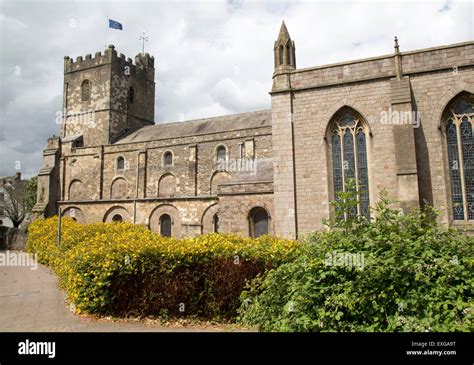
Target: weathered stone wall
410	163
182	190
109	113
234	211
186	214
432	93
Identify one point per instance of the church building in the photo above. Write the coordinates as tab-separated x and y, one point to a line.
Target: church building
402	122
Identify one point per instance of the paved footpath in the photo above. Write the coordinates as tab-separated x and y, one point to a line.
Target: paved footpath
30	301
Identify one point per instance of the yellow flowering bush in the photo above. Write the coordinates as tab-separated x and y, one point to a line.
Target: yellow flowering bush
123	269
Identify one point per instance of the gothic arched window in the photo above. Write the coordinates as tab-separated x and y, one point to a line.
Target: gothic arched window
131	95
459	119
86	90
288	55
349	159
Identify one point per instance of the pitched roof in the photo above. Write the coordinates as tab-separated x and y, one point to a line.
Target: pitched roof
221	124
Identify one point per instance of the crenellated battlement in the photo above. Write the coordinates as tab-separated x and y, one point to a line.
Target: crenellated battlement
142	62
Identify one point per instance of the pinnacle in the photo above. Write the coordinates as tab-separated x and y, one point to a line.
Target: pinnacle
283	35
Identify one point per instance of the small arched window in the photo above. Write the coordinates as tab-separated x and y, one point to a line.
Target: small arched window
120	163
168	159
86	90
215	223
131	95
259	222
165	225
288	55
117	218
221	154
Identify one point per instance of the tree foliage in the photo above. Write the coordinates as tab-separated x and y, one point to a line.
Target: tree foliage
415	276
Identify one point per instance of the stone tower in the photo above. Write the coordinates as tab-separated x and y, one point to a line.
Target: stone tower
106	97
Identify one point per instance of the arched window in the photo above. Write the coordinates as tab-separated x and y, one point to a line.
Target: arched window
349	159
259	222
288	55
120	163
117	218
459	119
165	225
131	94
221	154
280	55
86	90
215	223
168	159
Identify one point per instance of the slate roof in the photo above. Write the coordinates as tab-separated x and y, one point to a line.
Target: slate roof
221	124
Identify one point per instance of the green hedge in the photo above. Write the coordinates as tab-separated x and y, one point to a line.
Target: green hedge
124	269
398	273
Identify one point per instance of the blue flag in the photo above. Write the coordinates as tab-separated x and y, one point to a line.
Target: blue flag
115	25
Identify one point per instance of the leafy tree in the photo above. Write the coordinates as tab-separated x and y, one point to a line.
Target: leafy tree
31	188
411	274
20	197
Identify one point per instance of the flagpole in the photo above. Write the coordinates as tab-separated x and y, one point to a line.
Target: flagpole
106	29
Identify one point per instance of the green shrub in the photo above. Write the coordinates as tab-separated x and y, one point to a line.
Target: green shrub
398	273
122	269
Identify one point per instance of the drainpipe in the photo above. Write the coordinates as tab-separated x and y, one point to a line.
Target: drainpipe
136	191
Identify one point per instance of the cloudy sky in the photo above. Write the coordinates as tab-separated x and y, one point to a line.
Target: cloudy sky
211	58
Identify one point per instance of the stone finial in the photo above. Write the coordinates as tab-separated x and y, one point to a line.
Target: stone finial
111	46
398	60
396	46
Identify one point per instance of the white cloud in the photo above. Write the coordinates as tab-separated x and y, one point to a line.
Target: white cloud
211	57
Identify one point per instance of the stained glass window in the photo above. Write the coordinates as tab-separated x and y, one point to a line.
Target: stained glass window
337	165
349	159
363	174
459	118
